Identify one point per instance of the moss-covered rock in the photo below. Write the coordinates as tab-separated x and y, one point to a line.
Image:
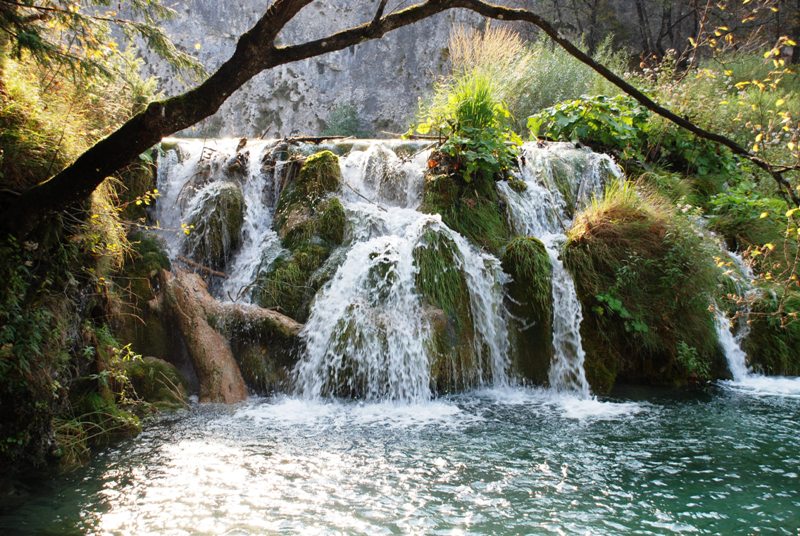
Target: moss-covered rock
157	382
531	306
645	279
262	371
472	209
445	294
311	224
216	224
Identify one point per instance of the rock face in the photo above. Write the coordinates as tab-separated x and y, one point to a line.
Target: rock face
381	79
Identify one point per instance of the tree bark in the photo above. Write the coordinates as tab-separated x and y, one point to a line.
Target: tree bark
202	320
256	52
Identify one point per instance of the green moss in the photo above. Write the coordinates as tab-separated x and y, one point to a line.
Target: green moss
311	225
261	371
473	209
319	176
331	221
645	280
530	291
445	292
216	225
157	382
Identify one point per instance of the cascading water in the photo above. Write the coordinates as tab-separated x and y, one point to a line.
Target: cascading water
743	377
195	167
559	178
368	334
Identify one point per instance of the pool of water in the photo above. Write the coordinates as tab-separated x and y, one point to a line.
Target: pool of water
514	461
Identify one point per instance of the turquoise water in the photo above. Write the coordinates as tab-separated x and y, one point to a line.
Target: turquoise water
511	461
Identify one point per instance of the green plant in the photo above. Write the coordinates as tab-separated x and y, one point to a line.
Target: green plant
475	125
343	120
690	359
610	123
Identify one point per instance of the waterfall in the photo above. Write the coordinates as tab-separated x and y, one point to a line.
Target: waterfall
367	335
743	377
559	179
191	169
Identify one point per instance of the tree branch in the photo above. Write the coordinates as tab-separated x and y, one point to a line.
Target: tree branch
256	52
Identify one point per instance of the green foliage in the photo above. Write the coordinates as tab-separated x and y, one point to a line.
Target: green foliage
79	35
157	382
619	124
343	120
773	344
476	127
649	278
472	210
690	359
745	217
607	123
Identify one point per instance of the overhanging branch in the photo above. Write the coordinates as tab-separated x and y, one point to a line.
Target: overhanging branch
256	52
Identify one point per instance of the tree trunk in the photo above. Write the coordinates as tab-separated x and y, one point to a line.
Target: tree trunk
187	301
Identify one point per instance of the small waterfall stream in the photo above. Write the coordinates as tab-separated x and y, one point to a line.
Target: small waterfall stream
743	377
368	334
559	178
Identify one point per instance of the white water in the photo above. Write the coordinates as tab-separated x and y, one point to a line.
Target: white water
368	333
541	211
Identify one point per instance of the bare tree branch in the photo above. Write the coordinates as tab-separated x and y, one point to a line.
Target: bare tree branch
256	52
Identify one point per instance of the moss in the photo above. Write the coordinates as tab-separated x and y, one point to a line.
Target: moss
216	224
473	210
319	176
645	280
332	221
445	292
773	344
261	371
157	382
311	224
530	292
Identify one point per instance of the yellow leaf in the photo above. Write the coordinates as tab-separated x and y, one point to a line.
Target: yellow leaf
759	137
769	246
791	145
755	148
764	215
791	212
779	102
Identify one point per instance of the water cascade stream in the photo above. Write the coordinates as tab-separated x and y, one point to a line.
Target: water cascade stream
743	377
368	334
559	178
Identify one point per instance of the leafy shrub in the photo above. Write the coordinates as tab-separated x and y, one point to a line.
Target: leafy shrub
475	125
607	123
649	277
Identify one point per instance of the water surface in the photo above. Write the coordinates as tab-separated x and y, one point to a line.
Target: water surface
509	461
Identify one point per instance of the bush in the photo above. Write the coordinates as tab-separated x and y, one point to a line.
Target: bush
649	278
